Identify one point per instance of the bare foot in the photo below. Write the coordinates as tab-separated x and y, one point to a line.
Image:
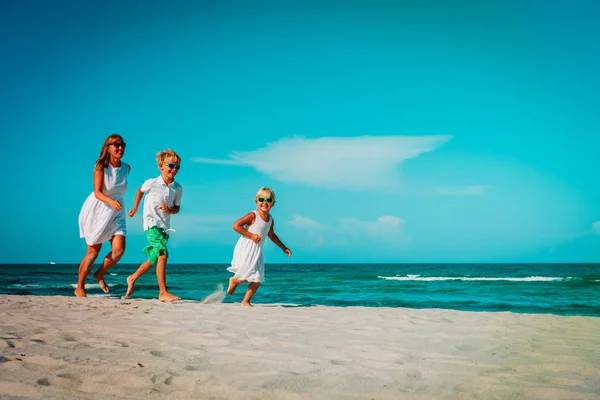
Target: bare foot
233	284
80	292
130	285
166	296
101	282
247	304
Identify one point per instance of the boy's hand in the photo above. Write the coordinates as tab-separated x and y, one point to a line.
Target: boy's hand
288	252
132	212
255	238
164	208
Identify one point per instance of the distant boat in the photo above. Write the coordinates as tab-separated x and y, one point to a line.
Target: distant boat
52	262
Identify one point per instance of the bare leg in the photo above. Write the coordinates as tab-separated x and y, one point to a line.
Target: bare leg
142	269
85	267
161	275
117	249
252	288
233	284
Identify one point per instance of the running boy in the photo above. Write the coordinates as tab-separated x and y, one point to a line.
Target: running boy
163	198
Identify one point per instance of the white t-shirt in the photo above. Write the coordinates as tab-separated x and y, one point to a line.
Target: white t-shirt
157	192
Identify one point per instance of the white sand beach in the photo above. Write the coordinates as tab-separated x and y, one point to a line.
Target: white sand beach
99	348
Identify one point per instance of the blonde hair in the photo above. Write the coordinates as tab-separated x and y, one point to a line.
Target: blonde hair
265	192
167	155
104	158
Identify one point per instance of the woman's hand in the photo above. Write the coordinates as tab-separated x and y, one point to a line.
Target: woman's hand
115	204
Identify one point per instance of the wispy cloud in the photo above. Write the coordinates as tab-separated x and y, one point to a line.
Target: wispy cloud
364	162
473	190
300	222
387	230
204	160
204	228
596	227
312	233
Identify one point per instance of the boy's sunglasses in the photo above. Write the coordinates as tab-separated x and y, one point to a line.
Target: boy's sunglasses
262	200
173	166
118	145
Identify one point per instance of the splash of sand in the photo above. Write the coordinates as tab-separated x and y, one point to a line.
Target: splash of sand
215	297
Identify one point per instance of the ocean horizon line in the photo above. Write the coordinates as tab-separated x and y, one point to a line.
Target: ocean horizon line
336	263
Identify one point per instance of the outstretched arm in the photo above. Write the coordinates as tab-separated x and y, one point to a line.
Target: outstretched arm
240	224
98	181
278	242
136	202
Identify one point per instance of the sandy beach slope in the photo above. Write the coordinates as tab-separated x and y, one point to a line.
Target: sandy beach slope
98	348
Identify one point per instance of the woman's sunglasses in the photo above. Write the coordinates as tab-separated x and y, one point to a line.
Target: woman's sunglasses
173	166
118	145
262	200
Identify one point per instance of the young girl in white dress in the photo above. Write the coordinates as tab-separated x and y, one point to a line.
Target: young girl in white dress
102	217
248	264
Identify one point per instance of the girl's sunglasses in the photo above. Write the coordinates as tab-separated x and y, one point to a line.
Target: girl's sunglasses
262	200
118	145
173	166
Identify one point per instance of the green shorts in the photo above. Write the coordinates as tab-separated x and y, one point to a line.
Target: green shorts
158	243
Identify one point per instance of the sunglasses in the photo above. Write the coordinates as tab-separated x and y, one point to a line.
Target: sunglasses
173	166
118	145
262	200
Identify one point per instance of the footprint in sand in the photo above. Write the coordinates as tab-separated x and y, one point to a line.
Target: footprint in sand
159	379
43	382
157	353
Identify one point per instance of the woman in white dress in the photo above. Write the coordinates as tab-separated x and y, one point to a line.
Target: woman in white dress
102	217
248	264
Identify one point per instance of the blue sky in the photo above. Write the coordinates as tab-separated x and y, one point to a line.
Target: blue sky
415	131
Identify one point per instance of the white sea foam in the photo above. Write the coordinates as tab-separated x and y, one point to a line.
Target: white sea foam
468	278
24	286
92	285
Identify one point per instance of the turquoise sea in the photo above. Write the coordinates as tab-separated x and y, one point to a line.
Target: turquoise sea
563	289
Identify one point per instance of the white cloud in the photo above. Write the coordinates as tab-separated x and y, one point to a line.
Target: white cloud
474	190
300	222
386	227
204	228
204	160
386	230
364	162
596	227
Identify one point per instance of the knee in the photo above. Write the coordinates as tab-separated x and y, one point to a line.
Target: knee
91	256
117	253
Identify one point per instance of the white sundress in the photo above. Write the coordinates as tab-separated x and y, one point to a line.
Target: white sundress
99	222
248	264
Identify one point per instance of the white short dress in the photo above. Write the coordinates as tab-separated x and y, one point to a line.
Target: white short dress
99	222
248	264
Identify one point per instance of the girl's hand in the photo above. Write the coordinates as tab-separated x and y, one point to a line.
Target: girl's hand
164	208
132	212
115	205
255	238
288	252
